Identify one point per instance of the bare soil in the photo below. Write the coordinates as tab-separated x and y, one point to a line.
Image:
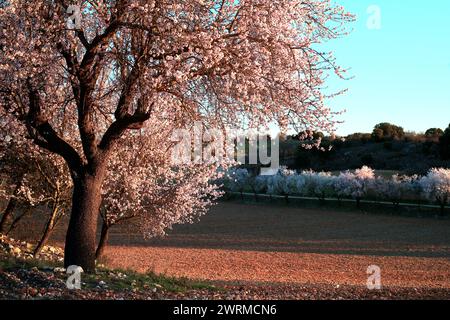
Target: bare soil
239	242
261	244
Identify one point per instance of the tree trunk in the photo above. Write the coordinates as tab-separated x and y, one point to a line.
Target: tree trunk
18	219
103	241
8	215
396	205
80	244
47	231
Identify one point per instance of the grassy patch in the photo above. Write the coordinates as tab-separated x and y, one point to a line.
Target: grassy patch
8	263
116	280
129	280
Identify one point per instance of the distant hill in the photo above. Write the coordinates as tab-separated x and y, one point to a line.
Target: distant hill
388	147
408	157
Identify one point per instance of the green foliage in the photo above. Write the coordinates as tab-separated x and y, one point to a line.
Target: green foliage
362	137
434	132
386	131
387	147
307	135
318	135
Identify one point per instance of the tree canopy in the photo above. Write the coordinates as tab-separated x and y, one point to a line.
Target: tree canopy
387	131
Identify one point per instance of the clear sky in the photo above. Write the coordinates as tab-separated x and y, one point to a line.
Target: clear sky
402	71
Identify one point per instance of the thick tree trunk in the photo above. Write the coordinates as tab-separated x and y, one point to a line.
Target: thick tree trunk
103	241
81	234
8	215
47	231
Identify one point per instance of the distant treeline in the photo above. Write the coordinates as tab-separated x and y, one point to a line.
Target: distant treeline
387	147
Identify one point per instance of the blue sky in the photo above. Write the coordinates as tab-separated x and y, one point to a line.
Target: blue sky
402	71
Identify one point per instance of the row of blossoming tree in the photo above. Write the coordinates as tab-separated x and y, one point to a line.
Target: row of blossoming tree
358	185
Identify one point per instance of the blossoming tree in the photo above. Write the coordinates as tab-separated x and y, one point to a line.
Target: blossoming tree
355	185
436	186
34	177
143	185
78	88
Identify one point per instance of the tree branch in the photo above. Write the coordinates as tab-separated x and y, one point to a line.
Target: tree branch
51	140
119	126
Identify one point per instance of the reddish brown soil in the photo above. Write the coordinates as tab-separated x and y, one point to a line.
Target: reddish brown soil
284	267
276	243
240	242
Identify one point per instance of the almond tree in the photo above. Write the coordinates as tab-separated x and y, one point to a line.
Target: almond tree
436	186
317	184
355	185
396	189
282	182
77	91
